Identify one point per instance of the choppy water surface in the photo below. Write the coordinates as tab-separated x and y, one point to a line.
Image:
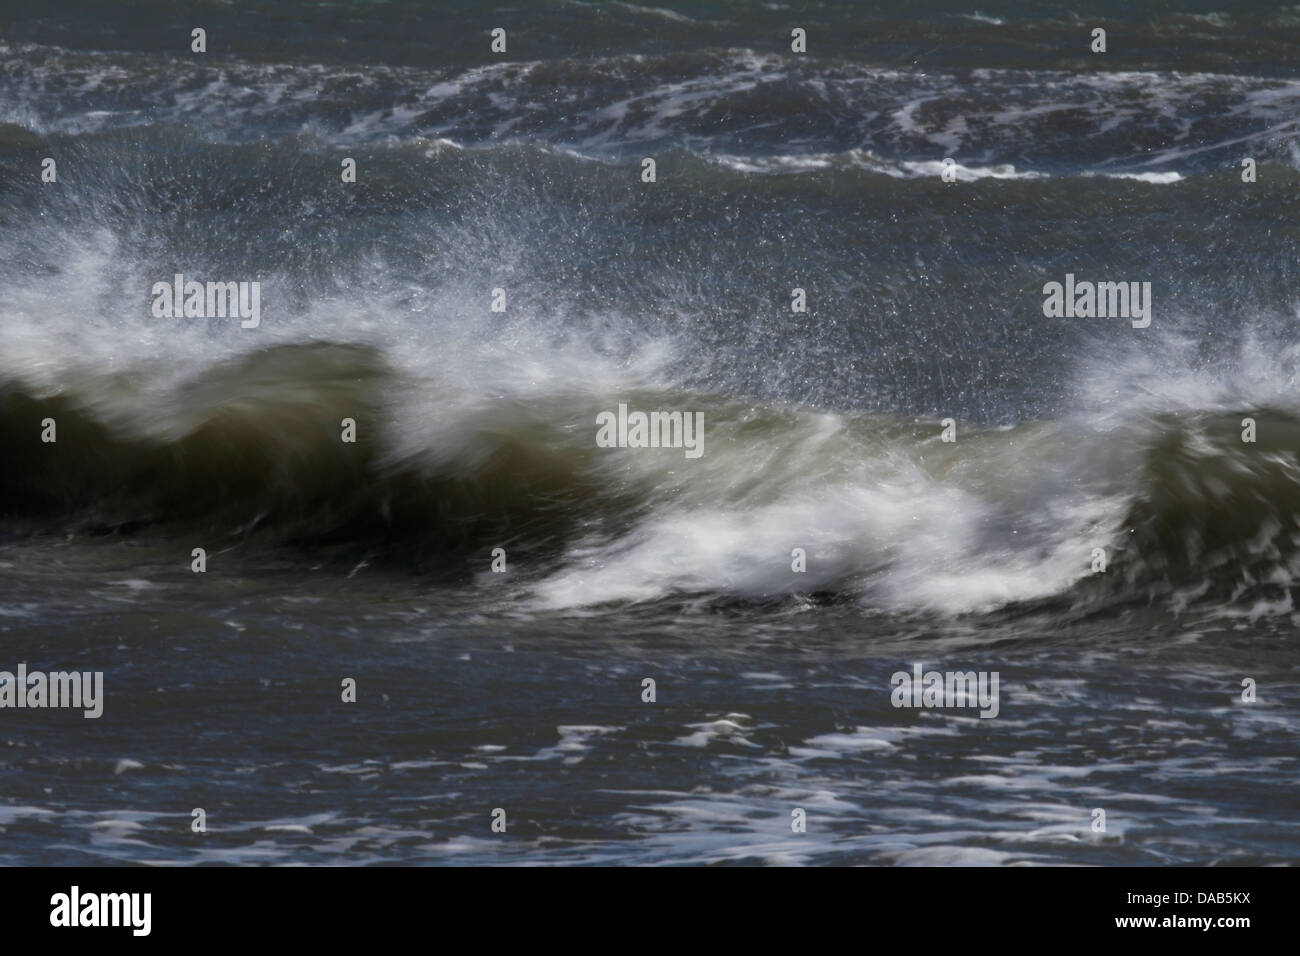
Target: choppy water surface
476	430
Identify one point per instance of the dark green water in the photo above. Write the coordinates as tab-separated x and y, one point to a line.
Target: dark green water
1120	690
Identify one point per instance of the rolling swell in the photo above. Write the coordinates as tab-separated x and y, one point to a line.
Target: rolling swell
731	101
250	451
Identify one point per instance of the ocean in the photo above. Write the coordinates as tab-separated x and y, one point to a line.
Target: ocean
367	584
